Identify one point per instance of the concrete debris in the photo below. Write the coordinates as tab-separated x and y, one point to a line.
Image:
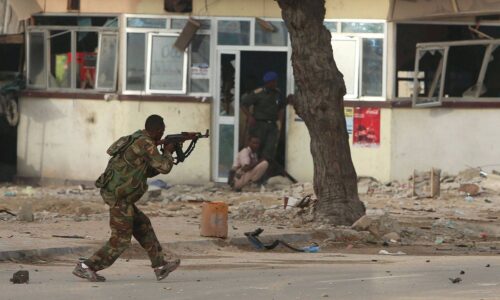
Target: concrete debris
22	276
25	214
455	280
470	189
385	252
468	175
249	210
391	237
378	225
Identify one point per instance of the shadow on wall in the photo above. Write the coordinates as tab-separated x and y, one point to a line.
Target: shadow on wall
32	134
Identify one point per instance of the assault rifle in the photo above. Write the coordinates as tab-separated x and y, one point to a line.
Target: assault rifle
178	139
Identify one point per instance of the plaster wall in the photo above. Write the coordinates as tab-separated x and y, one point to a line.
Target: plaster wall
68	139
449	139
344	9
373	161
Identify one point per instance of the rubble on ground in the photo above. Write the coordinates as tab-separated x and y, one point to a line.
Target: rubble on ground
466	211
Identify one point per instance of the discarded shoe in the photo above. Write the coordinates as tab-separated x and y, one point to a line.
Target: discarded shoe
163	271
83	271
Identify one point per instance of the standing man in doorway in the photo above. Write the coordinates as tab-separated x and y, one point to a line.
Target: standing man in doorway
268	113
134	158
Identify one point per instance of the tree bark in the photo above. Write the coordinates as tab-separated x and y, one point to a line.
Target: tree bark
319	101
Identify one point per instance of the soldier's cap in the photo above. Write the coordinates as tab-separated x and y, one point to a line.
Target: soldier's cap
270	76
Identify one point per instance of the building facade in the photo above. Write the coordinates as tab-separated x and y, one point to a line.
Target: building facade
96	71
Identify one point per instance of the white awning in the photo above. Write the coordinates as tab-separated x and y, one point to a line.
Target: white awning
405	10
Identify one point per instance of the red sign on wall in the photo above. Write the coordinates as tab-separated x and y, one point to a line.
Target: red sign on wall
366	131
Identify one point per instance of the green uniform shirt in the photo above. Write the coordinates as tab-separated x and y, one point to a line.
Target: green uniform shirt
266	103
135	158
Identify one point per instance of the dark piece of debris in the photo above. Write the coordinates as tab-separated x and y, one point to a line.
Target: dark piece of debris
22	276
462	272
7	212
68	236
487	266
455	280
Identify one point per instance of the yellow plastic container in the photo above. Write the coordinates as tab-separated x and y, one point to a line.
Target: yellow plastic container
214	219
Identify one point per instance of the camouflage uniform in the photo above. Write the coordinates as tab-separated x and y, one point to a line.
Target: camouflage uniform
266	105
134	159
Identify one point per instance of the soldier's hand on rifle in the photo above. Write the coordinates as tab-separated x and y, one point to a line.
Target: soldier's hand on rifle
169	147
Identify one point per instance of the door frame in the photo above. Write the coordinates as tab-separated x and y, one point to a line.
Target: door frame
218	120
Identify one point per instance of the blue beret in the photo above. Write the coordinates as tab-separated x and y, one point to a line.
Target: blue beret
270	76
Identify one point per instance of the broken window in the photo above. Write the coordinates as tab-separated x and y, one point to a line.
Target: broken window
458	70
465	77
431	62
107	61
60	66
68	57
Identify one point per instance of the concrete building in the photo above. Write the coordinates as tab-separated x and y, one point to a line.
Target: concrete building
126	69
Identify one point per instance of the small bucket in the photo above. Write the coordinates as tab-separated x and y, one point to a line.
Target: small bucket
214	219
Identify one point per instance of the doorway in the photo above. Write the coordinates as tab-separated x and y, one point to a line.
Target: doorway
240	72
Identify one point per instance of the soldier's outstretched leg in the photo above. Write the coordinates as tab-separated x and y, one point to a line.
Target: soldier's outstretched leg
121	221
144	233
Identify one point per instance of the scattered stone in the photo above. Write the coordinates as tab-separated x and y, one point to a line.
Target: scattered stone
22	276
249	210
392	237
487	266
385	252
325	296
377	225
26	213
455	280
462	272
471	189
468	174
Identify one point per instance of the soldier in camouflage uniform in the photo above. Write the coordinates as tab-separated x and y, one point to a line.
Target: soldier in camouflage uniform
268	107
134	159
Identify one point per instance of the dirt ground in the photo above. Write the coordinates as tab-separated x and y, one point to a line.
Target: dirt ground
453	223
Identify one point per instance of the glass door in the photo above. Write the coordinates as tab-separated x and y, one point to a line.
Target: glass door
226	112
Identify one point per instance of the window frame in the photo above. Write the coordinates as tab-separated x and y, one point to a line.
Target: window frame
148	89
115	69
380	35
73	30
167	30
490	45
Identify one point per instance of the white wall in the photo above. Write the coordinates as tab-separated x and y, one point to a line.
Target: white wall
449	139
374	162
67	139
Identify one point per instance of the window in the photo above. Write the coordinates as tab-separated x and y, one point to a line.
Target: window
232	32
358	49
136	62
36	60
278	37
452	62
447	75
73	57
167	65
345	52
154	66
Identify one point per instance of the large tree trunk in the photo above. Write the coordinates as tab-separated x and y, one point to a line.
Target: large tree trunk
319	102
